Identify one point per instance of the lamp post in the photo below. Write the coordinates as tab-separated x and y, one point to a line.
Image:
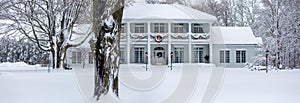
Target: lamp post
267	53
146	60
171	60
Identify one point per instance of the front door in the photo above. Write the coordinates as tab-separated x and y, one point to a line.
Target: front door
159	56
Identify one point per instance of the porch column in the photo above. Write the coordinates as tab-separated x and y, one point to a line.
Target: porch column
149	45
128	43
169	44
190	43
210	45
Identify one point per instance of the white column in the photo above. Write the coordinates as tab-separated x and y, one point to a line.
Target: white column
190	43
149	45
169	44
210	45
128	43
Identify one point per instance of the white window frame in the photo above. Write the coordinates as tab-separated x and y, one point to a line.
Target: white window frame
179	28
240	55
122	54
79	57
139	54
178	54
197	28
74	56
159	27
224	56
139	28
197	51
91	58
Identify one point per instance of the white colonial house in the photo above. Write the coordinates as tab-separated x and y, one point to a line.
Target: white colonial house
158	33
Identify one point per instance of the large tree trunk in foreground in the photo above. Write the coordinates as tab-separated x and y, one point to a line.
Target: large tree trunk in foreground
107	19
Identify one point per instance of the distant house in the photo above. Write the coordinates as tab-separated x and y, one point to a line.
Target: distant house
160	32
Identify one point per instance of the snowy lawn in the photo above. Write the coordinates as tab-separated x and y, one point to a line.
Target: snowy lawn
28	85
185	83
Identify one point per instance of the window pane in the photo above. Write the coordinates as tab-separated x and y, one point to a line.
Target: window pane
91	59
73	57
238	53
178	55
243	56
139	55
198	55
78	57
227	57
197	28
221	56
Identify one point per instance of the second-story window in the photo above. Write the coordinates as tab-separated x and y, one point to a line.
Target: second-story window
159	28
197	28
179	27
138	28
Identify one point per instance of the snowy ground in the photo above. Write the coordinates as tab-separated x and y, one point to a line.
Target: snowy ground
194	83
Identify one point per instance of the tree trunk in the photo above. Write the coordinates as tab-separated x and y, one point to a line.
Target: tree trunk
106	48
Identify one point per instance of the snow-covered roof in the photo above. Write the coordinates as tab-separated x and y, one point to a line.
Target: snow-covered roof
259	40
234	35
165	11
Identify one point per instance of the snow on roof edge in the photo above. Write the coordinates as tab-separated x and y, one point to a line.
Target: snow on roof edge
233	35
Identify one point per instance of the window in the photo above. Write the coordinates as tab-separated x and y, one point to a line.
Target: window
139	28
198	52
123	28
197	28
78	57
178	54
91	59
73	57
139	54
159	27
122	55
180	27
224	56
241	56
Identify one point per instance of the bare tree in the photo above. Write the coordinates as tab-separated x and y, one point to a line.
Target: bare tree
48	23
107	19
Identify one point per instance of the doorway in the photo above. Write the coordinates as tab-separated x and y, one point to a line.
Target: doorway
159	56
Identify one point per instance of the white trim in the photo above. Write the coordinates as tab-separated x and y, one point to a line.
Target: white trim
240	49
224	49
178	46
198	46
139	46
